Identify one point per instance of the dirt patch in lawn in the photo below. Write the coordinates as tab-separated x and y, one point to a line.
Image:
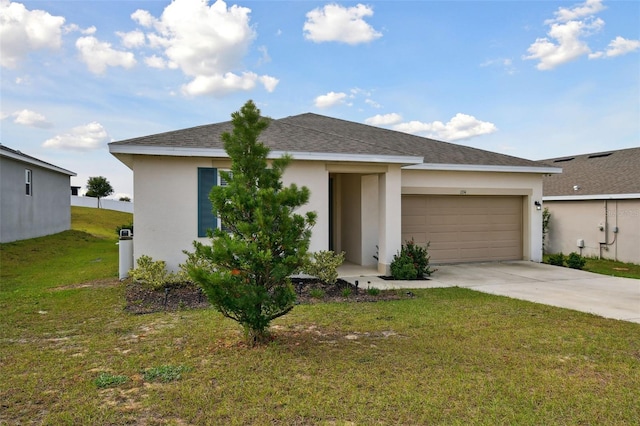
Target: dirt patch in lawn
141	300
101	283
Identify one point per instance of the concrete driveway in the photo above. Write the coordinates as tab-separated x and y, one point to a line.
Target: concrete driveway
610	297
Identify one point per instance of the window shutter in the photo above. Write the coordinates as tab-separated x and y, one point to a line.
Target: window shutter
207	179
223	182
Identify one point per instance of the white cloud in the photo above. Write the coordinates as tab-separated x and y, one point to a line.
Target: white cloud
222	84
269	82
330	99
617	47
207	43
462	126
99	55
384	119
132	38
337	23
74	27
82	138
143	18
31	118
89	31
566	37
23	31
568	44
265	59
372	103
154	61
588	8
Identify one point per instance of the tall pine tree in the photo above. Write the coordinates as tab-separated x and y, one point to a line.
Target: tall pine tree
263	242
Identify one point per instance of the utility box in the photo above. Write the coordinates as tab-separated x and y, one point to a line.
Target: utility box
125	263
580	243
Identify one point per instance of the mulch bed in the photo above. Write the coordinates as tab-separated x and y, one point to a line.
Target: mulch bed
142	300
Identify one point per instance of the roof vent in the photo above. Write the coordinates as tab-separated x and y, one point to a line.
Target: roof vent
606	154
562	160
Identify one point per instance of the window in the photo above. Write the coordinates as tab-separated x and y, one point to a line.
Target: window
223	182
28	182
207	179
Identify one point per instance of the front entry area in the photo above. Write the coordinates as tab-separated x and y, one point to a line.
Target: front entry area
465	228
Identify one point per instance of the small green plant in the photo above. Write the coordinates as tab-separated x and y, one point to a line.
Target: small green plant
324	265
154	273
316	293
108	380
372	291
346	292
546	218
411	262
575	261
402	267
556	259
165	373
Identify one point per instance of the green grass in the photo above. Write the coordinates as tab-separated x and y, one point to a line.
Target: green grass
86	252
108	380
165	373
447	356
609	267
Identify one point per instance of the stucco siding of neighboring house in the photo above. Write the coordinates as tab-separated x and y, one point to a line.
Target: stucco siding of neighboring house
595	222
46	211
528	186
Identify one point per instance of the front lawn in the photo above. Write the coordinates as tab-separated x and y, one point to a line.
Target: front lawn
613	268
609	267
70	354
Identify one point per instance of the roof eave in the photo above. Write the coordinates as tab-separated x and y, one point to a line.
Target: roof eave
583	197
483	168
122	152
36	162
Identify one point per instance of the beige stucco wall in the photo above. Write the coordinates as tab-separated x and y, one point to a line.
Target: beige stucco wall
594	221
165	216
350	216
462	183
313	175
369	218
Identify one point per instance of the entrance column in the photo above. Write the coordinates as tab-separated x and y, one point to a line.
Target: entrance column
389	217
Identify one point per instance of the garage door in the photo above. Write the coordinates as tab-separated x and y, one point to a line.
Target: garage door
464	228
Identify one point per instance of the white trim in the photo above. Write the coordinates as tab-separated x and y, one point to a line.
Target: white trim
168	151
483	168
221	153
34	161
591	197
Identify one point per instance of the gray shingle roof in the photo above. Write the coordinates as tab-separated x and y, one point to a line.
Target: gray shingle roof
607	172
5	151
315	133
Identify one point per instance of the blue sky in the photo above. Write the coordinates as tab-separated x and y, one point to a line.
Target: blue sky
535	79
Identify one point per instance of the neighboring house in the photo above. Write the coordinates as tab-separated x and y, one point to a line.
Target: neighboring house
595	203
34	197
372	189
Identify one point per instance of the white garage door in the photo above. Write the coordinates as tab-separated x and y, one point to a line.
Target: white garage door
464	228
